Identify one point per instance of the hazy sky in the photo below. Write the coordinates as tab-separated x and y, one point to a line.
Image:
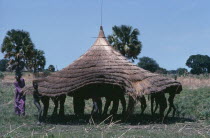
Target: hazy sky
171	30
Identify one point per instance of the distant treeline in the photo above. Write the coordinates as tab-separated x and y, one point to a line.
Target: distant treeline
199	64
20	53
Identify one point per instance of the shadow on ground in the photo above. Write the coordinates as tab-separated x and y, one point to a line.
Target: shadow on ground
135	119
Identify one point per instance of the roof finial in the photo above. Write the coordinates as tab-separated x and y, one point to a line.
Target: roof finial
101	33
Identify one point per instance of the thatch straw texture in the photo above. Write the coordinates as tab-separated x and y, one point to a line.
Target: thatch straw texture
102	64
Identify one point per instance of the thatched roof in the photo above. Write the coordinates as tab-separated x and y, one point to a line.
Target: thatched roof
102	64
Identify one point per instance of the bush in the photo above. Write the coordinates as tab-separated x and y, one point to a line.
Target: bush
1	75
46	73
3	64
181	71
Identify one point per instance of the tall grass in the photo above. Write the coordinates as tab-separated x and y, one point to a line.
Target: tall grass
194	82
194	104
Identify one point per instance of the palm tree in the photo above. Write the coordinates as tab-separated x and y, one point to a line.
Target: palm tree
18	47
125	39
38	61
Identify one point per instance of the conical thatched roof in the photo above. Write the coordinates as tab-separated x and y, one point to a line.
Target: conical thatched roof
102	64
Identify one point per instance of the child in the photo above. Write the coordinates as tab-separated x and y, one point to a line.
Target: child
37	98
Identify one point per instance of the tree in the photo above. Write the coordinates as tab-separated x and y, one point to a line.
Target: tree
199	64
38	61
148	64
161	70
181	71
125	39
172	72
3	64
51	68
18	48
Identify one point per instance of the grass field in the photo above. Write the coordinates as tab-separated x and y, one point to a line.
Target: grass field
192	119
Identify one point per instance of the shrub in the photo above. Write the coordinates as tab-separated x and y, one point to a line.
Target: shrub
46	73
1	75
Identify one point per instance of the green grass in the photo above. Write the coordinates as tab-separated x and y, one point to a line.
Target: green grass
194	104
192	107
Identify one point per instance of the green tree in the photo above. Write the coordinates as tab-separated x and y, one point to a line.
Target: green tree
51	68
125	39
3	64
161	70
148	64
199	64
181	71
172	72
17	47
38	61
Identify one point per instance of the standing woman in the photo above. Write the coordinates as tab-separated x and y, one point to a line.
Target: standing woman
19	96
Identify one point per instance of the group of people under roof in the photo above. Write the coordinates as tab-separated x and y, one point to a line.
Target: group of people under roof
79	102
115	72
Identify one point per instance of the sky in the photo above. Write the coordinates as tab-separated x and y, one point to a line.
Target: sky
170	30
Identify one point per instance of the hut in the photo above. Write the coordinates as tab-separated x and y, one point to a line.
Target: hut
103	67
